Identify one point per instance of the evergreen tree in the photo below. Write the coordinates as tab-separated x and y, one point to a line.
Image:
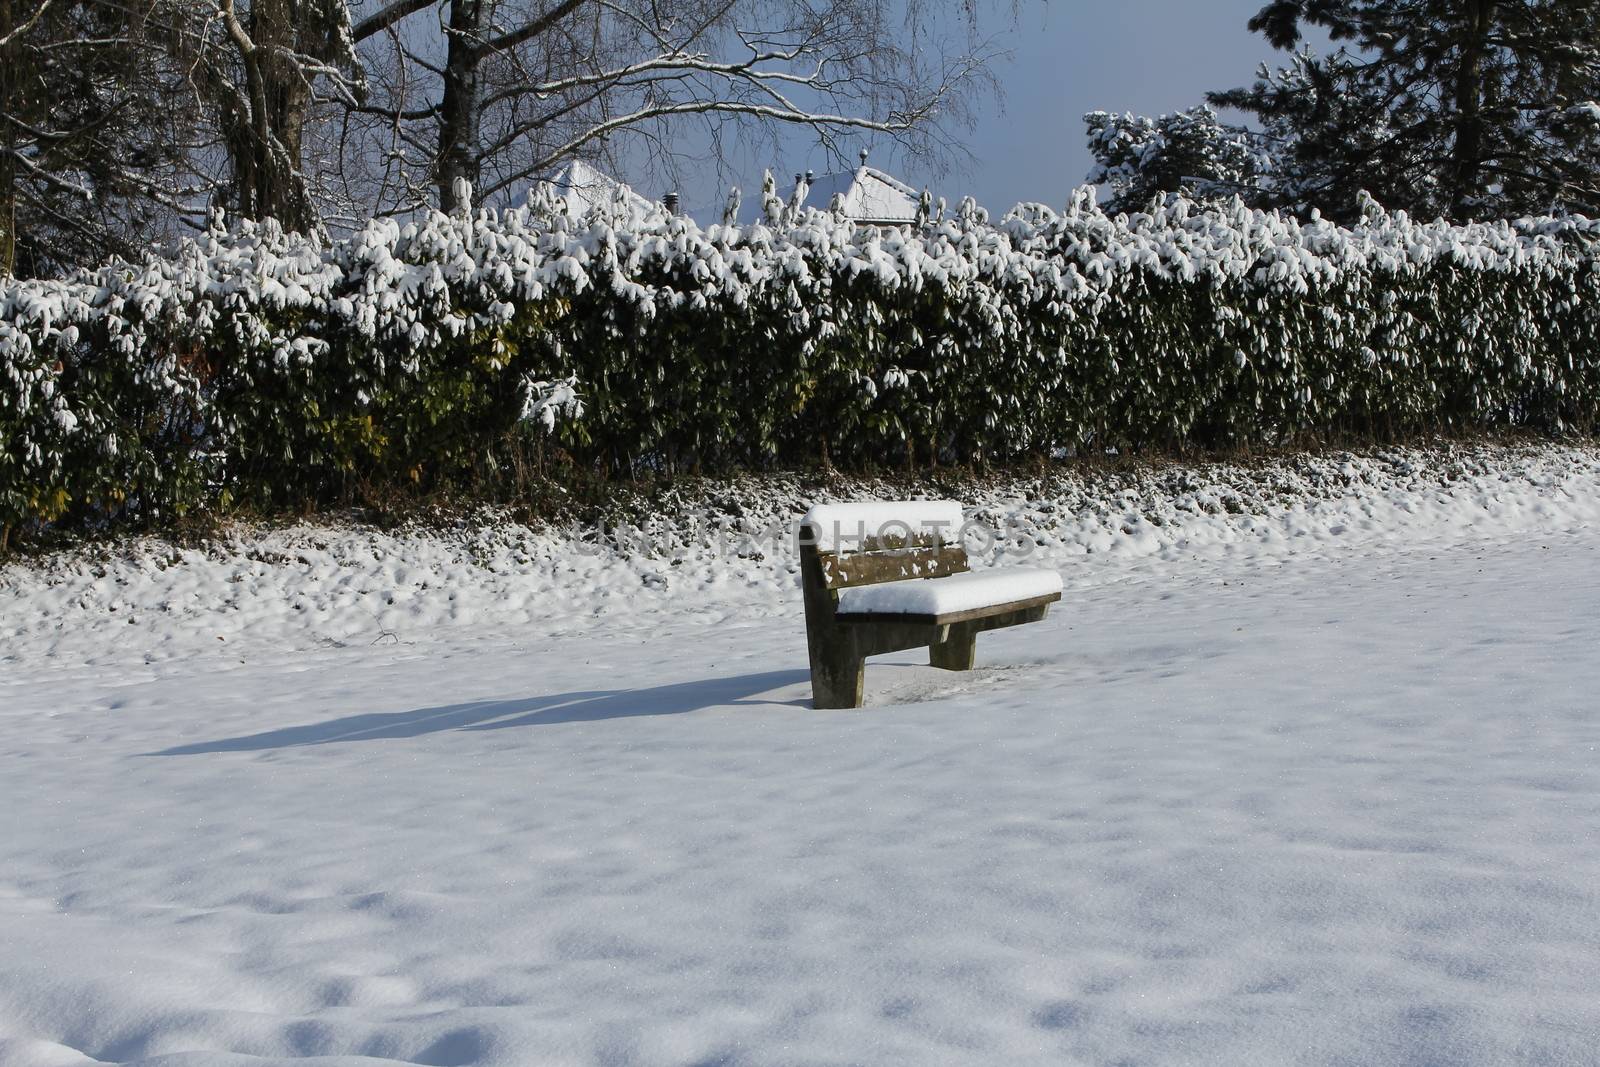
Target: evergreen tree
90	139
1459	108
1192	152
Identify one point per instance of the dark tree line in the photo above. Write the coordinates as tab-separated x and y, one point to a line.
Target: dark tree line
91	146
1456	108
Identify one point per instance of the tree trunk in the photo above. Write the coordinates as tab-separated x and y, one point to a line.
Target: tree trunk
459	115
281	95
263	122
1467	153
10	75
8	214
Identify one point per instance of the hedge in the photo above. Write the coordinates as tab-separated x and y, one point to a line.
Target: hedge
254	366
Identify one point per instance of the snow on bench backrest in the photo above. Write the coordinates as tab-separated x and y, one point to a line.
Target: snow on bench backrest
872	523
884	541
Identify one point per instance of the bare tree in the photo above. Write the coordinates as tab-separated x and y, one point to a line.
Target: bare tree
122	120
504	89
257	75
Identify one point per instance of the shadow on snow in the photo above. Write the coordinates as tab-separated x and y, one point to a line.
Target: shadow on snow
583	706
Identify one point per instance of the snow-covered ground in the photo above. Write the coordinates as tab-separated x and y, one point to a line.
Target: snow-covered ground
1277	782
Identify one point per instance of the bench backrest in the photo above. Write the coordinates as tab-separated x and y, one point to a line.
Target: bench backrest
845	545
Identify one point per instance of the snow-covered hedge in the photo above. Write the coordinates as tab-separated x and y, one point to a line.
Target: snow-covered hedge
261	366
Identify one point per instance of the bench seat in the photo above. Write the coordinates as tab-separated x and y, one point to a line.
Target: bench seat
957	598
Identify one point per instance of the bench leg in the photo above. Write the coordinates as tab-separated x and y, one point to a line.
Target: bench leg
957	652
836	680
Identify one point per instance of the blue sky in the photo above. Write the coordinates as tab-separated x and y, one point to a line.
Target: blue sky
1068	57
1145	56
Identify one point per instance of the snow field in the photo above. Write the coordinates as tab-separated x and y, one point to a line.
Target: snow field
1293	796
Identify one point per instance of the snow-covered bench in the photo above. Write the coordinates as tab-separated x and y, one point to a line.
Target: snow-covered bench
889	576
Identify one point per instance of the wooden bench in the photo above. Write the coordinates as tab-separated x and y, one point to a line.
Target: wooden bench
890	576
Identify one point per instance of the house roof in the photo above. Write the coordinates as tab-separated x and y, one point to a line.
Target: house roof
583	188
867	194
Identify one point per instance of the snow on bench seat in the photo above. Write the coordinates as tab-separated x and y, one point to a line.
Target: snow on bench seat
842	526
958	593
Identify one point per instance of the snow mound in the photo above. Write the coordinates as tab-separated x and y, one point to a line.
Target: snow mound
717	552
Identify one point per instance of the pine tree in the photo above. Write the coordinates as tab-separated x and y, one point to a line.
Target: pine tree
1459	108
1191	151
89	138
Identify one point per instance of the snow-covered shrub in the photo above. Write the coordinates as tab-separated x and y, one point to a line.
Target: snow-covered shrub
254	365
1140	158
98	402
402	354
261	366
1073	330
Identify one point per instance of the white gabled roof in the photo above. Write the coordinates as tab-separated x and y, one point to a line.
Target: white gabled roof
872	196
583	188
867	194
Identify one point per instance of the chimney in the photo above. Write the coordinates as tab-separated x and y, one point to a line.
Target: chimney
670	202
811	176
